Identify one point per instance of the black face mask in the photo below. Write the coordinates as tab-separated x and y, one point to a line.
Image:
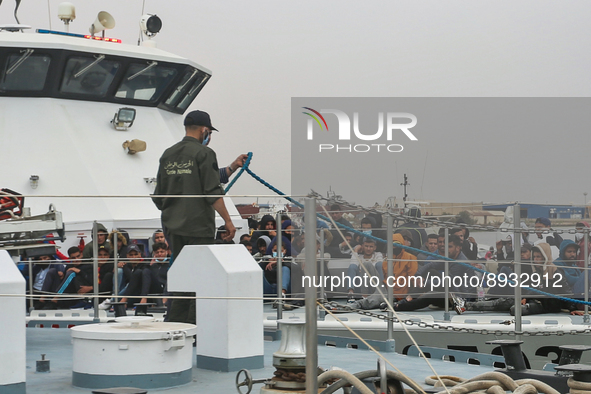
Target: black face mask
396	251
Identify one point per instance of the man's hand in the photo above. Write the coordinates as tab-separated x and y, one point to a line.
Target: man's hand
472	240
270	265
84	289
228	235
239	162
60	274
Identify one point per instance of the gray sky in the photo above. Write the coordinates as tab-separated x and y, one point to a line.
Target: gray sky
262	53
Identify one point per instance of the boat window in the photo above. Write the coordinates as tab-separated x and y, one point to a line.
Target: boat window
193	92
145	81
183	84
89	75
24	71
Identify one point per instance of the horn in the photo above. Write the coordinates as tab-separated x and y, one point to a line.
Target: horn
103	21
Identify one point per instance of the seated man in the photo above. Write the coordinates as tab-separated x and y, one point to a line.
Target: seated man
262	244
101	235
567	261
84	280
133	274
64	281
404	267
47	276
366	256
247	245
154	276
469	245
269	266
533	302
435	269
429	246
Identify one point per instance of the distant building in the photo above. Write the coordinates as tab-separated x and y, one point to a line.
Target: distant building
533	211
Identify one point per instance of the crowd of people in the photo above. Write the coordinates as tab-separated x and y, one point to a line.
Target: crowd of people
550	264
135	277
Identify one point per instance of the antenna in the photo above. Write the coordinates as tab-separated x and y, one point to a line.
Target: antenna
18	4
405	184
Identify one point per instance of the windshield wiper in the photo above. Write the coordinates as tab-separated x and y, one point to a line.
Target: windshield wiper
25	56
85	69
148	67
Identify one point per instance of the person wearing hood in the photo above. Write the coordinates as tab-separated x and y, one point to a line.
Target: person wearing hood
287	229
567	261
404	265
262	244
269	266
268	227
101	235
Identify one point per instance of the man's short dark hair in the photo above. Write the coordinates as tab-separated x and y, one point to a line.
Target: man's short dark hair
545	221
442	232
369	240
456	230
73	250
454	239
432	236
158	246
244	236
335	207
368	220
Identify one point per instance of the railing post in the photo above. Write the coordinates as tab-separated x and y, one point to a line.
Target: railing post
321	313
31	282
279	244
517	268
390	273
586	273
115	263
95	280
311	315
446	315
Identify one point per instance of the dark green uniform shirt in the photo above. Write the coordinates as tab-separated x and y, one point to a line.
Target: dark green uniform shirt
188	168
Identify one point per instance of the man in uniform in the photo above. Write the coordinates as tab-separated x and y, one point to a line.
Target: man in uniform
190	168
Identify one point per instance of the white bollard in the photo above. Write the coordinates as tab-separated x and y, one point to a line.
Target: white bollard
229	331
13	339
